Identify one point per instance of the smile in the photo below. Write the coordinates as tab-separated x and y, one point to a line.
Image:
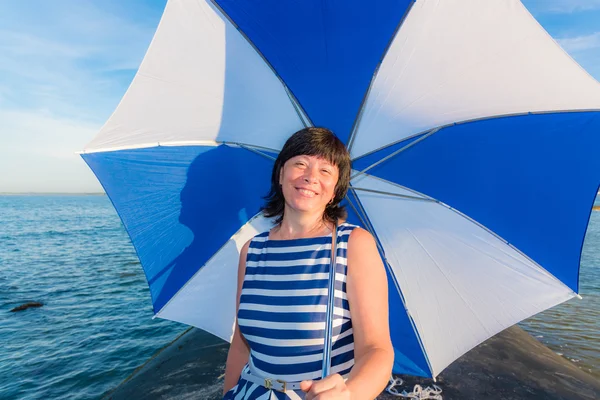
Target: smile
306	192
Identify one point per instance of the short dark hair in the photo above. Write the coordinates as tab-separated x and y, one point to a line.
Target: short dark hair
312	141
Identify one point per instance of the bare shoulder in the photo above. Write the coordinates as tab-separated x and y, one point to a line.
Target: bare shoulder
362	251
244	253
359	238
242	267
245	247
366	276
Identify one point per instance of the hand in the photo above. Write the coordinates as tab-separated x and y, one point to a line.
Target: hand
332	387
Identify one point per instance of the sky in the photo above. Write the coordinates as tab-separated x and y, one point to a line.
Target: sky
65	64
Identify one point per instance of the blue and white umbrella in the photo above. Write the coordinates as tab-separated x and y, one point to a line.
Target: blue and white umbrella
475	143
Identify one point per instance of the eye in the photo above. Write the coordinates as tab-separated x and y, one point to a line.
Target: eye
326	171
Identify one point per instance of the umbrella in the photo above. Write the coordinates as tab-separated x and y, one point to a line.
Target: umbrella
474	140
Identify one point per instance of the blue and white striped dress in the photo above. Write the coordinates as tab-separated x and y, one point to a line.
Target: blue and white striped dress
283	309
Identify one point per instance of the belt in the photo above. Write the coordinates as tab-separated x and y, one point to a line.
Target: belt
270	383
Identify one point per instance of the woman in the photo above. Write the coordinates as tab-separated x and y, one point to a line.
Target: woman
277	347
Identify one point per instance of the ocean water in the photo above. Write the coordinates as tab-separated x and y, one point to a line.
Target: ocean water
572	329
72	254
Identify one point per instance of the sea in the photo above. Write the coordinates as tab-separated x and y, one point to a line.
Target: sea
72	254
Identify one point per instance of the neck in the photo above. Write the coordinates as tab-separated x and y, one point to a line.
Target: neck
296	225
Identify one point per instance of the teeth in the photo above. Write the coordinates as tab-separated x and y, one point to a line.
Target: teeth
307	192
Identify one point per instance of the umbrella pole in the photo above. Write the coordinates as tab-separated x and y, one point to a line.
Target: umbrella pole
330	305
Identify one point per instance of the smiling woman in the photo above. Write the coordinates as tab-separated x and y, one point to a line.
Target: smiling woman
311	157
308	184
279	337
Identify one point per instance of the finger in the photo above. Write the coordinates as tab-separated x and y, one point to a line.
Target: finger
328	383
306	385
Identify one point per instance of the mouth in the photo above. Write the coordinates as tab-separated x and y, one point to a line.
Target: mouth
306	192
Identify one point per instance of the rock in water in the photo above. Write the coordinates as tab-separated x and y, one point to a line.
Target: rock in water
32	304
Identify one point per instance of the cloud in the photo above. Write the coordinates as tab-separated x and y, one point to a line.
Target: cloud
40	151
580	43
563	6
64	67
41	132
83	56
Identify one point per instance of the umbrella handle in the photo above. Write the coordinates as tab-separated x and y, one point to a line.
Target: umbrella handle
330	304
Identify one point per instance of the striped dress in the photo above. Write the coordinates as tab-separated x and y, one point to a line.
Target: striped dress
283	309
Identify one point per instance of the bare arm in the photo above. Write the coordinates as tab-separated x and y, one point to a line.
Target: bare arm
239	351
368	298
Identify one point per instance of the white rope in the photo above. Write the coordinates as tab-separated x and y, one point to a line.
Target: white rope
418	393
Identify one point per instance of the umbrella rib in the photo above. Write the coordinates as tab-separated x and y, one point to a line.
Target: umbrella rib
361	108
433	200
175	143
252	146
485	228
295	102
466	121
416	193
402	196
255	150
362	215
148	145
358	214
365	219
395	153
506	242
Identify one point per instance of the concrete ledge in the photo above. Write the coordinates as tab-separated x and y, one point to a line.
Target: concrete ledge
510	366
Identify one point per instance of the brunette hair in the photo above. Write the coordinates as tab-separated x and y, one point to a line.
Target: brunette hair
312	141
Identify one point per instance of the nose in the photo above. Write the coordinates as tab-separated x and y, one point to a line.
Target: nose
310	175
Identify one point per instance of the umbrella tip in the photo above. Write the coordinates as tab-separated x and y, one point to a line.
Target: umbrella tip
579	296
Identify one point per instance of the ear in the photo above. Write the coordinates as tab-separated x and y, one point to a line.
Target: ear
280	175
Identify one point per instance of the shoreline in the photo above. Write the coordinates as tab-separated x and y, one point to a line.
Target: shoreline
509	366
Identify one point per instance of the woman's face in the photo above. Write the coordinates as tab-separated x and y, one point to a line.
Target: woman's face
308	183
